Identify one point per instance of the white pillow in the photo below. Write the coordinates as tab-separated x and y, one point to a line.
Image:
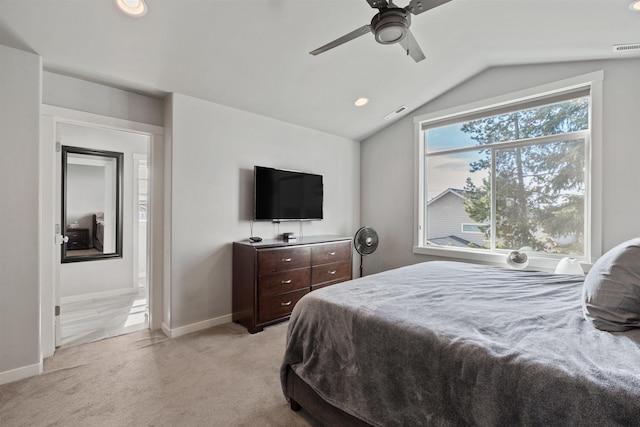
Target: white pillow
611	291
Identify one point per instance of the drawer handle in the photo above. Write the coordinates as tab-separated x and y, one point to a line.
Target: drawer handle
286	259
332	271
286	282
332	253
284	304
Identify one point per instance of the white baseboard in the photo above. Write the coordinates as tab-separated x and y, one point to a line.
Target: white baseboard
195	327
96	295
20	373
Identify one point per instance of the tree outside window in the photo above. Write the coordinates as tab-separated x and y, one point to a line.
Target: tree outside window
534	157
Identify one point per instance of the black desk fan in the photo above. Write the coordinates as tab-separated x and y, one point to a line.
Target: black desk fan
365	242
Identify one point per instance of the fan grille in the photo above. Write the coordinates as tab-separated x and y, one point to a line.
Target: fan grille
366	241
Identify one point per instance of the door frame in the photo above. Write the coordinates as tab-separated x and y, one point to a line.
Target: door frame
136	158
49	253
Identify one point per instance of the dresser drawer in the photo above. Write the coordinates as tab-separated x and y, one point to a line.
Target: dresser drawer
78	238
330	272
284	281
279	305
272	260
330	252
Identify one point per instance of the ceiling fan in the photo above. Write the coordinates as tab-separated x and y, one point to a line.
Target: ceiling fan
389	26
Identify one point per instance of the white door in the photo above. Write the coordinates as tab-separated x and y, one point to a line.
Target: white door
50	237
97	216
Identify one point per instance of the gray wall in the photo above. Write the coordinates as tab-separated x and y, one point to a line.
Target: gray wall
20	76
387	158
213	151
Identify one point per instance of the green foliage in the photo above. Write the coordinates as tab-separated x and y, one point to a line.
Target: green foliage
539	188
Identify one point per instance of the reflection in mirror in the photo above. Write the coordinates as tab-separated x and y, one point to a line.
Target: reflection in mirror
91	204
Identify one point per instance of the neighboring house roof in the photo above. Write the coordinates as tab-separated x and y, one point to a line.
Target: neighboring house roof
455	191
453	241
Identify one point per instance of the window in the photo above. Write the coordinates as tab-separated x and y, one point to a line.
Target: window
521	174
474	228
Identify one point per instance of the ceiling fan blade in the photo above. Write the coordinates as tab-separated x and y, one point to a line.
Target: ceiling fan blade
411	46
347	37
377	4
418	6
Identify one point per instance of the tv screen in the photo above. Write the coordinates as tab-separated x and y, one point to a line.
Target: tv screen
286	195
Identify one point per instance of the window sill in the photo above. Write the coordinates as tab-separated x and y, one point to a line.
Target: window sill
536	262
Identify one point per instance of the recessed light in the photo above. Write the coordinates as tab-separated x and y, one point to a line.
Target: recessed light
135	8
635	6
361	101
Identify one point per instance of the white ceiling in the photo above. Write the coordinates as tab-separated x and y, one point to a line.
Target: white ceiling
254	54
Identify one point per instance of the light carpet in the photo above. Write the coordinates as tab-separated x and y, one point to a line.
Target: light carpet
221	376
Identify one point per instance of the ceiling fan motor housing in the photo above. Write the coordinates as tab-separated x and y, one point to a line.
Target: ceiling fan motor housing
390	25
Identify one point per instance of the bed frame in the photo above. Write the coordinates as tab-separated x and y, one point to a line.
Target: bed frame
302	396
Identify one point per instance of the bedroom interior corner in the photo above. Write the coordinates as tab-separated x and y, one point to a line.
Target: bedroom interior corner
212	112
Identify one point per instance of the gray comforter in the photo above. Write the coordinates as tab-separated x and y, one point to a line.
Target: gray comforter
443	343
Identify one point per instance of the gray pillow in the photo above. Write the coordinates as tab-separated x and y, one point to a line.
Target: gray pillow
611	291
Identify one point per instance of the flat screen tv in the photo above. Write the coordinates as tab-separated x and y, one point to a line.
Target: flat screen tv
282	195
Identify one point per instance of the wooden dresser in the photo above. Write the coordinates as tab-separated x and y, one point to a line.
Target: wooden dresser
269	277
78	238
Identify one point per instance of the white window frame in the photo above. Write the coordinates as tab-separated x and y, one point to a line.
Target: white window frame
593	160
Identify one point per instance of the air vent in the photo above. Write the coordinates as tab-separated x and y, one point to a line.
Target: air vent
626	47
395	112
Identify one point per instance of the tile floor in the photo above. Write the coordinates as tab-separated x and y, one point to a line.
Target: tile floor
96	319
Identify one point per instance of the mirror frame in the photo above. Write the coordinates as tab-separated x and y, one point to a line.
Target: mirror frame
119	157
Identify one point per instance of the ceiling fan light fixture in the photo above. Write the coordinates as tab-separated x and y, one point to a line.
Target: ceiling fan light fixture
136	8
390	25
391	34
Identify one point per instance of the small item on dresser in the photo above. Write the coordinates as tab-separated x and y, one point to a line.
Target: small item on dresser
254	239
288	236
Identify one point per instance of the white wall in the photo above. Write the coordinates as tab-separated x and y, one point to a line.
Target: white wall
387	158
78	278
213	151
20	92
81	95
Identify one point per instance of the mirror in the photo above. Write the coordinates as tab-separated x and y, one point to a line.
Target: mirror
91	204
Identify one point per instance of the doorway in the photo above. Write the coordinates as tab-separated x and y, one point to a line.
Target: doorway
103	284
147	304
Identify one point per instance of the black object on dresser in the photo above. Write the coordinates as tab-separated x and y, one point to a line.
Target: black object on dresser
78	238
269	277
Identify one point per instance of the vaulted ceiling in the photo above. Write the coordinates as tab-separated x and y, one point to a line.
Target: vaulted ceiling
254	54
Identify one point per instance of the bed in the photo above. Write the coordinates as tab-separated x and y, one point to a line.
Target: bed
98	231
447	344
